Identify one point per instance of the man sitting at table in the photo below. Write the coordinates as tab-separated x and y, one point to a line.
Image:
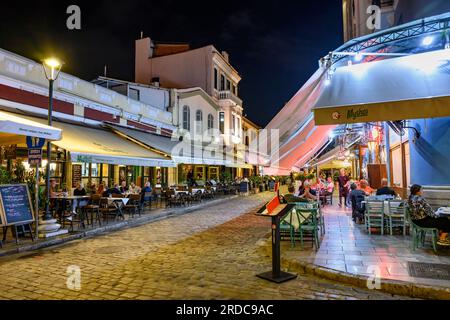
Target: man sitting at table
146	190
291	198
111	191
357	196
123	187
134	189
385	190
79	191
308	193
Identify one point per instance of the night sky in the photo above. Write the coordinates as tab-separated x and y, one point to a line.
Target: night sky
274	45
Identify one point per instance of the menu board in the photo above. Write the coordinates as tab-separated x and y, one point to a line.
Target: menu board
16	205
76	174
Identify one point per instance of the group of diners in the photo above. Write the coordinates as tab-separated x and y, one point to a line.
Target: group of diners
102	190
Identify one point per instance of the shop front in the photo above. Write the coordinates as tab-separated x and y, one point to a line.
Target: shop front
95	155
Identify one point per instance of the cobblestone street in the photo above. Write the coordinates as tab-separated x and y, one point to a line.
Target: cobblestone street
209	254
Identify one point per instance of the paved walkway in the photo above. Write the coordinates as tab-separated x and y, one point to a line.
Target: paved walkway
349	248
211	253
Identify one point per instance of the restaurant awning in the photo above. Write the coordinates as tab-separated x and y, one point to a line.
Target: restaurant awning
14	129
181	152
299	137
96	145
409	87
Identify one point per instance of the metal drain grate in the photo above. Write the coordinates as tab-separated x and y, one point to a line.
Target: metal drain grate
429	270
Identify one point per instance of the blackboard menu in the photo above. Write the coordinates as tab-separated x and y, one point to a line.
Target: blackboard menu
15	204
76	174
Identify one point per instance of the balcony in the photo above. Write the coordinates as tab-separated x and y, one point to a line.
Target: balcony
228	95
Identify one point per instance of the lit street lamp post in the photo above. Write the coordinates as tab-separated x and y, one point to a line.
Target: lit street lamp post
52	67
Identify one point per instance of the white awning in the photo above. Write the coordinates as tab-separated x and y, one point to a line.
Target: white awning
410	87
15	129
96	145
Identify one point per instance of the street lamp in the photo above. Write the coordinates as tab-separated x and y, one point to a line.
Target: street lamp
52	67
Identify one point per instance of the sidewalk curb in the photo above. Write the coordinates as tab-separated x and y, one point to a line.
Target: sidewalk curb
104	229
394	287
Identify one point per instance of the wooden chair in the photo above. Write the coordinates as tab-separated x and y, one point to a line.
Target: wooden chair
93	208
374	215
133	206
108	210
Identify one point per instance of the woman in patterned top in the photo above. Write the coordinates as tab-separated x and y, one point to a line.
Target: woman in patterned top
424	216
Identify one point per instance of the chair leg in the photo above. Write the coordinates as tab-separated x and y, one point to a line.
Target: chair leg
434	240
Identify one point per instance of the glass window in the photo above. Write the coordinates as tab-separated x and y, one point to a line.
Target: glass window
222	82
222	122
228	85
210	121
134	94
239	127
199	122
186	118
216	78
234	124
234	89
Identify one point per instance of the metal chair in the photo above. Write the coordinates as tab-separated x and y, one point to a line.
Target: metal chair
418	234
396	217
374	215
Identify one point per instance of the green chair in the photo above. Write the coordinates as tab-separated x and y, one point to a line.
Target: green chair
374	215
418	234
396	216
287	228
310	224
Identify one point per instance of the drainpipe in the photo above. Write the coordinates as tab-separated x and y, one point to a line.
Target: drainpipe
387	143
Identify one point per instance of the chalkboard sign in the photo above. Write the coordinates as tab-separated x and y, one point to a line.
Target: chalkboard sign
76	174
16	207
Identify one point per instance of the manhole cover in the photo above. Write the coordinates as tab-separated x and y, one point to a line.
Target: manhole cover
429	270
109	250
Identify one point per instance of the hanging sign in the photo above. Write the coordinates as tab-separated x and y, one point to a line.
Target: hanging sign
35	150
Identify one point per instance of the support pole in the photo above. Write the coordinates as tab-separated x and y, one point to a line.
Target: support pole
36	200
387	142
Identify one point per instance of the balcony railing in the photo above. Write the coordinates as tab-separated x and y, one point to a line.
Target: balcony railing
228	95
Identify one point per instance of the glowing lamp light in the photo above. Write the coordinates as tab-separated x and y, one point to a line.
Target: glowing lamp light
358	57
52	67
327	82
427	41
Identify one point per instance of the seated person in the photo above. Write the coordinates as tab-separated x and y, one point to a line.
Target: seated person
111	191
385	190
79	191
101	188
291	198
123	188
329	186
134	189
364	186
357	196
147	189
308	193
423	215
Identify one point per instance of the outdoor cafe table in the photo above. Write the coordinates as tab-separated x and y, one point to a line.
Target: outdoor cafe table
61	206
118	203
